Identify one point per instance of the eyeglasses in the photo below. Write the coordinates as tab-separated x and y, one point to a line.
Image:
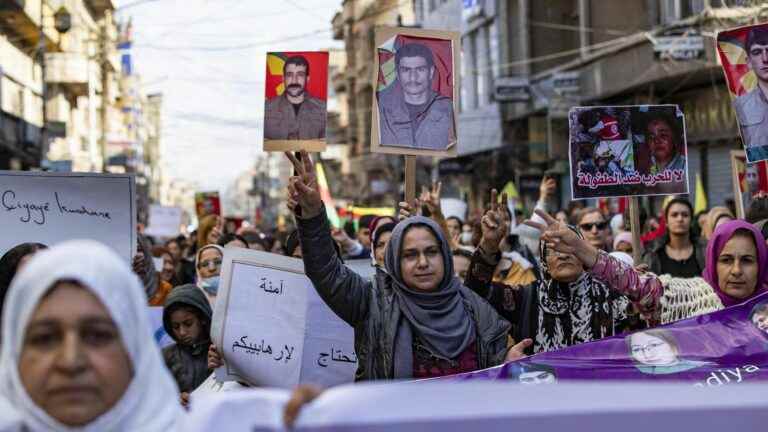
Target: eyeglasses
207	263
588	226
645	349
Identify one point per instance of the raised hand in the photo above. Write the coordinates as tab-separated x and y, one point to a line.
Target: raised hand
303	189
407	210
518	351
495	224
430	198
547	188
559	237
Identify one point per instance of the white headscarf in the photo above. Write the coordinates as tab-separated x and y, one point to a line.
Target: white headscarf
150	401
211	298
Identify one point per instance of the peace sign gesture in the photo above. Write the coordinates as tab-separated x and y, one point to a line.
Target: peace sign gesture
559	237
495	223
303	189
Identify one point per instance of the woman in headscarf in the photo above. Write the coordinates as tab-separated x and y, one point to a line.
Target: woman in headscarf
208	264
735	272
421	321
78	351
566	306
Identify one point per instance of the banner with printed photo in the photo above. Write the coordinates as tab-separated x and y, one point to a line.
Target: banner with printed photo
727	347
618	151
743	53
749	179
295	107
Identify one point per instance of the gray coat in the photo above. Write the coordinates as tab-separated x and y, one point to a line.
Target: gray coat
752	112
435	131
282	123
368	306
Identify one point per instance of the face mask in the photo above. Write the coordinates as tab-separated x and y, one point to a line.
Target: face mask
466	238
210	285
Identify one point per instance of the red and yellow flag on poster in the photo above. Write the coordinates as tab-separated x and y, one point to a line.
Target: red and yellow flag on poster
318	73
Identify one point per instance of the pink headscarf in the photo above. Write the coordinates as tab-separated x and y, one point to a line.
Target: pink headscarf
717	242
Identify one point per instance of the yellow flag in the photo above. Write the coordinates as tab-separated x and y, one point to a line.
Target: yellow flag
701	196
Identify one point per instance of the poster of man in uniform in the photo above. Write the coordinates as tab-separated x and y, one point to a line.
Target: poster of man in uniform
744	55
417	91
295	108
627	151
748	181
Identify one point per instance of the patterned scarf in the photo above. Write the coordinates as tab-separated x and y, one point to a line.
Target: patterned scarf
576	312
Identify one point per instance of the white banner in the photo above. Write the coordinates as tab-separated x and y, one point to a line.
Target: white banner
51	208
272	328
491	406
164	221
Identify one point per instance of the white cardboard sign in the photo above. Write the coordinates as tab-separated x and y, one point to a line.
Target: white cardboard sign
164	221
272	328
51	208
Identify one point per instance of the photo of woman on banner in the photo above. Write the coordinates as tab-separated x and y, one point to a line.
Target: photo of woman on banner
657	352
759	317
536	373
744	55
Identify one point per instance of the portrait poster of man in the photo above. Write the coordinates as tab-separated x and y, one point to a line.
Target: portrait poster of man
743	54
620	151
749	179
295	101
417	91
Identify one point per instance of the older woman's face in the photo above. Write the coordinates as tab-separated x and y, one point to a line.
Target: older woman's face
737	267
651	350
380	248
563	267
210	263
760	319
421	260
73	364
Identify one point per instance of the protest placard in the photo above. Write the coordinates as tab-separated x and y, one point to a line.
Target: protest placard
742	51
627	151
273	329
207	203
164	221
50	208
415	101
748	179
295	108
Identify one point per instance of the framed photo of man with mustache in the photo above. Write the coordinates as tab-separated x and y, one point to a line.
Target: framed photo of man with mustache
416	93
295	107
743	54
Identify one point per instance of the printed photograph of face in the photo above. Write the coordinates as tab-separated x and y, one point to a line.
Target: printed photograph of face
534	374
759	317
295	107
657	352
751	179
744	55
415	92
627	151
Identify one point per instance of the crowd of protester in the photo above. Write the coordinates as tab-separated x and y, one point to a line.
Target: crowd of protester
446	296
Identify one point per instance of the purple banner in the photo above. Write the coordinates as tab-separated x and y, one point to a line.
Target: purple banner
721	348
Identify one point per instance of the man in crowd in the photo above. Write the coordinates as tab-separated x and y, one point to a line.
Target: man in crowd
411	114
295	115
752	107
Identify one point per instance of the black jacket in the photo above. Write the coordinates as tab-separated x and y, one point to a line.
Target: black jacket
651	255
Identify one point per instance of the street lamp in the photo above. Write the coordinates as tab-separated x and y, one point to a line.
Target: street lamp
62	22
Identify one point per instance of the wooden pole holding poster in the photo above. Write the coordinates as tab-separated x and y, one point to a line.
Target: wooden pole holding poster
634	223
410	178
738	162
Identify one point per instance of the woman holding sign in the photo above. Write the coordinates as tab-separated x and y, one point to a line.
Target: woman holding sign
78	351
417	322
735	271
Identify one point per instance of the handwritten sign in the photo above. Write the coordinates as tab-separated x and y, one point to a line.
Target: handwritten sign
51	208
620	151
164	221
273	329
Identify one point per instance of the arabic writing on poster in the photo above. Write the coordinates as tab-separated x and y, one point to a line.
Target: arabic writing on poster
336	355
594	181
272	288
258	349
